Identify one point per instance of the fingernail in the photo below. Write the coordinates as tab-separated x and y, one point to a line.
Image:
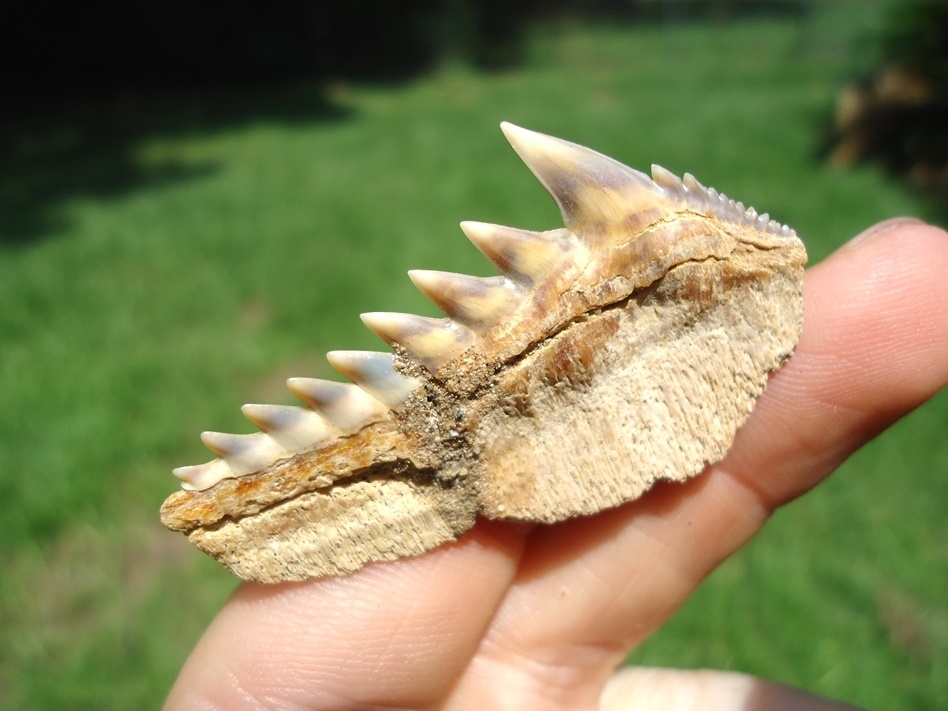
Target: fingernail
883	228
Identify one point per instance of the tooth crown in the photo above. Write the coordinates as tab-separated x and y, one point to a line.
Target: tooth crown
626	348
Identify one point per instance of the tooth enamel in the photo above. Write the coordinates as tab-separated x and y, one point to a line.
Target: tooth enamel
346	406
591	190
518	253
375	373
433	341
668	182
293	428
476	302
199	477
244	454
762	221
698	196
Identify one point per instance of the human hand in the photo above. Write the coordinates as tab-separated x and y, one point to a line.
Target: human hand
514	616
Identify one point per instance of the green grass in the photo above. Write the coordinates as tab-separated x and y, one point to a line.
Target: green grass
201	253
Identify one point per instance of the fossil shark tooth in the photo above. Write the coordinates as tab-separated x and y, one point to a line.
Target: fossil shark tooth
433	341
476	302
624	349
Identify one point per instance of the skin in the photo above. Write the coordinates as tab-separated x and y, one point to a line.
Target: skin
522	617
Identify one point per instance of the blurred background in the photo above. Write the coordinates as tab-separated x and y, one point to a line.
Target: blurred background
197	201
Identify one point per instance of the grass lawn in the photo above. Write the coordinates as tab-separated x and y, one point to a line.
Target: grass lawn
206	248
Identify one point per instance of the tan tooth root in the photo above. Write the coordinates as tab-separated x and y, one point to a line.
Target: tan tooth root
433	341
293	428
596	194
346	406
198	477
244	454
623	350
375	373
475	302
517	253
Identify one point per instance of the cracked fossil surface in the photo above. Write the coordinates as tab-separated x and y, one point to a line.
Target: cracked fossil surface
626	348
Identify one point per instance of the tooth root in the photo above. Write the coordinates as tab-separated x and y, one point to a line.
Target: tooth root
475	302
432	341
244	454
199	477
375	373
594	193
346	406
520	254
293	428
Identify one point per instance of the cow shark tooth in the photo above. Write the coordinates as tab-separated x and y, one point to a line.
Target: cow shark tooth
623	349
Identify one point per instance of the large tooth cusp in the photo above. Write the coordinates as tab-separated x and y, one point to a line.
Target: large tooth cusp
244	454
293	428
199	477
522	254
346	406
433	341
594	192
375	373
476	302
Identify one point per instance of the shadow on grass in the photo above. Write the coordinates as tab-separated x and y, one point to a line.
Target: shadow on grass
88	149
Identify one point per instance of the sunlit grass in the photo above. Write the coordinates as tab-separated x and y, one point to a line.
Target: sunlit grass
148	312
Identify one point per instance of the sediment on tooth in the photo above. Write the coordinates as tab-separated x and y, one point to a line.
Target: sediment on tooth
375	373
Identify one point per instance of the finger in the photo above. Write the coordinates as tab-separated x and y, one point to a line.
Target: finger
393	636
645	689
875	345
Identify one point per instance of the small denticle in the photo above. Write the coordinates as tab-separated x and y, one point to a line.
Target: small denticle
625	349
